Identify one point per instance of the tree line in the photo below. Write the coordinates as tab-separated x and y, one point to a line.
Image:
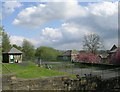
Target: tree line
91	43
28	49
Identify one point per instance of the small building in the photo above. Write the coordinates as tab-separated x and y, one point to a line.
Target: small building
13	56
104	58
69	55
112	51
114	55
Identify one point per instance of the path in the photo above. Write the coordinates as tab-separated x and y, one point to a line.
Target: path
105	74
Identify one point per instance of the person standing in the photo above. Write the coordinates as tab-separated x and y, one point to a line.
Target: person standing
39	62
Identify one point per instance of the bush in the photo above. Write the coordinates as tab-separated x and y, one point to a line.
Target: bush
88	58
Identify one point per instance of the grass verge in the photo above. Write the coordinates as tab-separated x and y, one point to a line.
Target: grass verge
31	71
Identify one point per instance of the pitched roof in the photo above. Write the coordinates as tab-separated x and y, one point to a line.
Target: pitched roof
103	55
67	53
14	50
113	48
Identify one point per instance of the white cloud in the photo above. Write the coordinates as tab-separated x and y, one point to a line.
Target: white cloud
51	34
103	9
100	18
105	12
66	34
19	39
37	15
110	42
9	7
74	31
70	46
0	17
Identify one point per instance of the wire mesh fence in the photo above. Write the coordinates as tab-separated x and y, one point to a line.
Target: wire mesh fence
74	69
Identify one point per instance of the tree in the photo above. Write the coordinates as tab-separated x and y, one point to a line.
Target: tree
0	36
47	53
5	42
88	58
28	50
1	31
16	46
92	43
0	39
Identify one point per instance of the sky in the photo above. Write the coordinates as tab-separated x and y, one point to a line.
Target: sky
61	25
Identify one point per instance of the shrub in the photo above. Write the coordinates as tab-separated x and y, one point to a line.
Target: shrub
88	58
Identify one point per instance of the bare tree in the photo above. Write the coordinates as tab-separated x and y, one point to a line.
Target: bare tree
92	43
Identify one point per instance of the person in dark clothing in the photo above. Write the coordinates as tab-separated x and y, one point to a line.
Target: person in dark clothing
39	62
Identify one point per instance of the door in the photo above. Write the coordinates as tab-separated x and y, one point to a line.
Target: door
11	59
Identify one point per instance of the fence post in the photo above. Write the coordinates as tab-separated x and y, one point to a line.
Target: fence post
72	69
102	73
81	71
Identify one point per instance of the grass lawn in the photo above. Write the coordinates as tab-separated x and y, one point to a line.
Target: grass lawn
31	71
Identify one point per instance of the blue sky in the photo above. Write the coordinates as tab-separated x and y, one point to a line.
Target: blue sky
60	25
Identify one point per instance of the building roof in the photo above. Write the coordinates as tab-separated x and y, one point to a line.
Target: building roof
113	49
67	53
14	50
103	55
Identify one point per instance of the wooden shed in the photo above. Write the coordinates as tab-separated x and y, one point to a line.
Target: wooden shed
13	56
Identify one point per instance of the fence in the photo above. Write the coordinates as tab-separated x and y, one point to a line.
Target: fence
73	85
83	69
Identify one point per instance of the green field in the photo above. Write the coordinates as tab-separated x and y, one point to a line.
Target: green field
30	71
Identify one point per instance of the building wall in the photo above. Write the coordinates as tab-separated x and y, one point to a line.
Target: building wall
5	58
18	58
64	58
